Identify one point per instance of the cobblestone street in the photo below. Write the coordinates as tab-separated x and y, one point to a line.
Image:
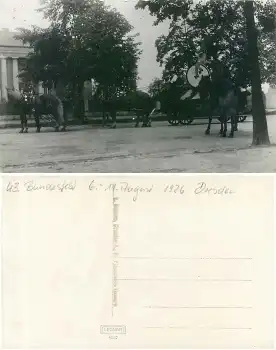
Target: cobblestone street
161	148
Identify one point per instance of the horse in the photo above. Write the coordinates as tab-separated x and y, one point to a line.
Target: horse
30	104
143	116
142	105
138	102
217	91
49	105
109	113
219	95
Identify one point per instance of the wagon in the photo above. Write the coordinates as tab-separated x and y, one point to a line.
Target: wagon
187	110
190	110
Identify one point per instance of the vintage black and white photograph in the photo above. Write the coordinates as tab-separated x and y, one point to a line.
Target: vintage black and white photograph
119	86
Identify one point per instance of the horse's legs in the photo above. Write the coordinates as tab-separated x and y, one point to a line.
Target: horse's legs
207	132
149	118
56	120
233	125
56	126
221	126
37	121
105	118
63	126
24	123
21	122
224	121
208	109
137	119
145	120
236	121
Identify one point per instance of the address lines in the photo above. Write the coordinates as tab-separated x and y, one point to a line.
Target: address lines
198	279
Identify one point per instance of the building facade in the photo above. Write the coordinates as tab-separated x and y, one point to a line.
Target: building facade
12	59
271	98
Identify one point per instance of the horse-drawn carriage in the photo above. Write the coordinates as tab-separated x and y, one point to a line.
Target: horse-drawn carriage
194	110
188	110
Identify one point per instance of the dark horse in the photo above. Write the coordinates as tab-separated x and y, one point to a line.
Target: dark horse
138	102
142	105
49	105
223	98
217	93
30	104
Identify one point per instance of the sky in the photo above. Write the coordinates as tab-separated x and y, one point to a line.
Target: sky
21	13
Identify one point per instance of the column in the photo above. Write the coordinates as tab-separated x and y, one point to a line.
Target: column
15	73
4	78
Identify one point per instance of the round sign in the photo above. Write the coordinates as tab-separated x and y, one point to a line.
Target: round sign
194	80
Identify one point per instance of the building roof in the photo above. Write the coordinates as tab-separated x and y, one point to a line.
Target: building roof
7	38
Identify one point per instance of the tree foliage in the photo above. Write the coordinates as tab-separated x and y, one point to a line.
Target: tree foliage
86	39
221	26
49	51
156	87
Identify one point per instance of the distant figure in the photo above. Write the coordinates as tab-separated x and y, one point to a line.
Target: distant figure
23	101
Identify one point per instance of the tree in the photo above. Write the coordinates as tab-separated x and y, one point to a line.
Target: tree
227	28
260	132
49	51
86	39
156	87
137	100
220	22
102	47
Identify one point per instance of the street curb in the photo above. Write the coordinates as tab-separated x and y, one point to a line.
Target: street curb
97	122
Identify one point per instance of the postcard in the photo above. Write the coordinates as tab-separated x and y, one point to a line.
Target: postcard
141	261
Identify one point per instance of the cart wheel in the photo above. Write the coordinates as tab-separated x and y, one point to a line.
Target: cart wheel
187	121
173	121
242	118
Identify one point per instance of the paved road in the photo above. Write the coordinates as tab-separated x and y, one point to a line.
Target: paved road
161	148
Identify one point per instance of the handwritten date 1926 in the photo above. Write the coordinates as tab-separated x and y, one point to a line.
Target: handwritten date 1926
177	189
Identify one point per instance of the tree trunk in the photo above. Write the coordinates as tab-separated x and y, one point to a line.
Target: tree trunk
260	131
